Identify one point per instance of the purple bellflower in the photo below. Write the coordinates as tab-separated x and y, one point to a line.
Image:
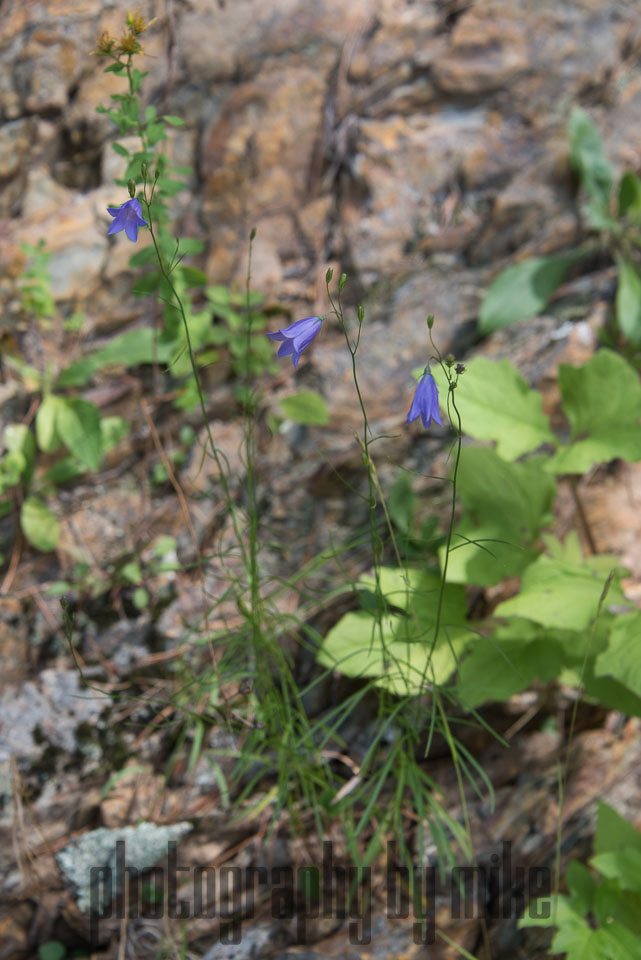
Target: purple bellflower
425	402
128	217
297	337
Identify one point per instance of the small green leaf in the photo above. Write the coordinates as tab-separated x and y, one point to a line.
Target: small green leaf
189	245
39	524
629	195
132	348
193	277
164	545
628	302
140	598
120	150
172	120
46	432
131	572
588	156
52	950
78	426
307	408
522	290
112	431
18	438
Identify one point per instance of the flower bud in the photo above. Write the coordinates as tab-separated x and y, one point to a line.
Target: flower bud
131	186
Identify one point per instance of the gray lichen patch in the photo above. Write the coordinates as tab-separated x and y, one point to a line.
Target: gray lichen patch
94	864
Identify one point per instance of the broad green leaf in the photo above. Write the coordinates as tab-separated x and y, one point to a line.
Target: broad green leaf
602	401
582	887
307	407
39	525
396	654
356	648
574	934
603	392
622	657
628	302
506	504
46	432
416	592
611	693
523	290
624	866
508	661
496	403
622	441
78	426
555	593
629	195
588	157
131	349
613	832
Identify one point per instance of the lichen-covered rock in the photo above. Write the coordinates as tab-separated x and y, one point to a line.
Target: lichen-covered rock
142	847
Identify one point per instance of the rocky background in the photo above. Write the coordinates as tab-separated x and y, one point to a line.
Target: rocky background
418	146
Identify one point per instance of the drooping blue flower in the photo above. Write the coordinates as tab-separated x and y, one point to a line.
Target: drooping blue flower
297	337
128	217
425	402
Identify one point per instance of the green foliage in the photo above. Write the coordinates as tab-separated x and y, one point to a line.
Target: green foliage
39	525
35	284
70	425
496	403
628	301
600	918
241	331
52	950
561	623
602	401
589	159
524	289
392	645
558	593
506	505
307	408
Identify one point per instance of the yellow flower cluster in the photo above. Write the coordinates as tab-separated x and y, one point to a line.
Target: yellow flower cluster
128	45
